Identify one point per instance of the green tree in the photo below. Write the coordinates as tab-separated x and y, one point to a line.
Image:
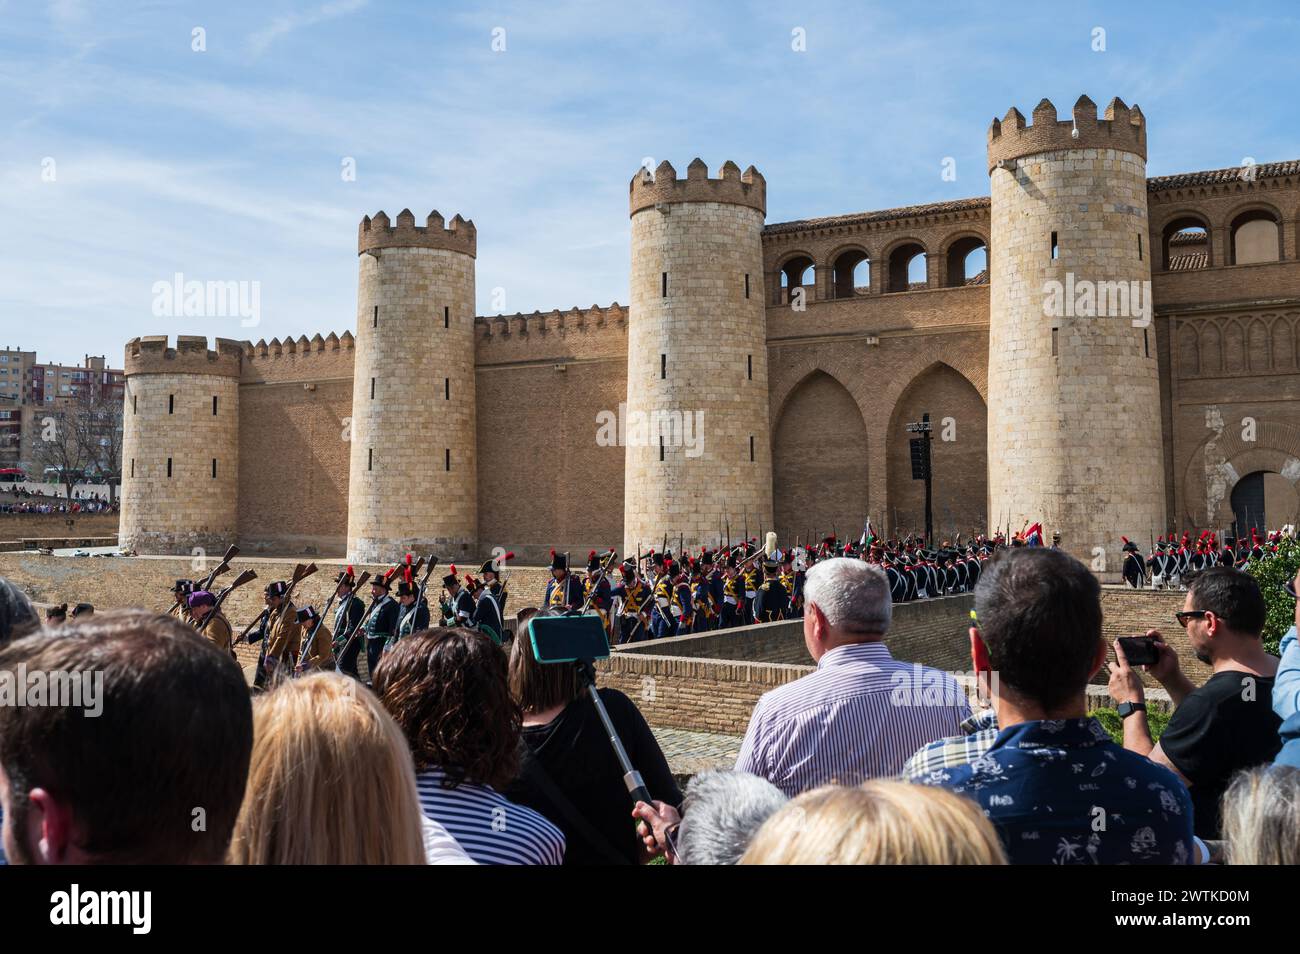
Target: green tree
1272	573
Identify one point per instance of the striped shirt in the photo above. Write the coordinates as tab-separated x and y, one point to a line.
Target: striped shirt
861	715
490	828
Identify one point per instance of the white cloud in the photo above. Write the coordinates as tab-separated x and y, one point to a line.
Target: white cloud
282	26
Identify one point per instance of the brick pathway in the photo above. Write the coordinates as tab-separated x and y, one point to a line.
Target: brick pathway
691	752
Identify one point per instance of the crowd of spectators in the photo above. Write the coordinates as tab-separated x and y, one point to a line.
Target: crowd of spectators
466	752
21	500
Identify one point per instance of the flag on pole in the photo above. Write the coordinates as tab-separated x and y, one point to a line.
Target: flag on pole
868	536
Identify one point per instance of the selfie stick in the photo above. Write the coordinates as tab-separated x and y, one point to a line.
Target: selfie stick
631	777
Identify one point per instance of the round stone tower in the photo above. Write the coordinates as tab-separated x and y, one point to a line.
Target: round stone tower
696	422
412	474
1074	435
180	445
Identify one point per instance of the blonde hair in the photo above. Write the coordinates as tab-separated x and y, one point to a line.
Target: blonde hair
1261	817
330	782
879	823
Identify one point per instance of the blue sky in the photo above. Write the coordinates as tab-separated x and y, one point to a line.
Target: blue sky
225	165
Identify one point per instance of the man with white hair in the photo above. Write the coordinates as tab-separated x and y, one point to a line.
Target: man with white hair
861	714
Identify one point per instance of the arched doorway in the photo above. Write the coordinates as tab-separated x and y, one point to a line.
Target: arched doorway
1262	500
958	454
819	462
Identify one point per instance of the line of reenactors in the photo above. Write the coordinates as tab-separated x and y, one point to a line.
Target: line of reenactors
295	640
661	594
1173	559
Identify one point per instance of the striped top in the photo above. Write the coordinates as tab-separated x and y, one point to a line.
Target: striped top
491	829
860	715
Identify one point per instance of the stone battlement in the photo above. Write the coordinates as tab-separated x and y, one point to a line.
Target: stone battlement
151	354
732	187
1123	128
551	322
300	345
457	236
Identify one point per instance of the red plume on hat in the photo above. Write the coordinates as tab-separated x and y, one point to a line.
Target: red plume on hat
452	569
591	555
509	556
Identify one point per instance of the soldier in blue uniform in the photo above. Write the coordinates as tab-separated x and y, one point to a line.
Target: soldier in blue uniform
381	623
563	591
487	612
412	616
490	574
772	601
1134	567
347	616
663	622
458	609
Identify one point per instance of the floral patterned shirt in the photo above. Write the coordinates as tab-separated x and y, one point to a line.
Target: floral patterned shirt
1061	792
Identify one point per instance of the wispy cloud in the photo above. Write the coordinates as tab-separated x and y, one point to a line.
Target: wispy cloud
259	41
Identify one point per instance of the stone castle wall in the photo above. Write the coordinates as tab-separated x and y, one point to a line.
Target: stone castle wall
844	374
412	479
1072	398
180	445
697	352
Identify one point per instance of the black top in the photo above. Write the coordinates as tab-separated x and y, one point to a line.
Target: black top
575	752
1226	725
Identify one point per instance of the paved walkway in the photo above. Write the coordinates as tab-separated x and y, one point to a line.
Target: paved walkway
691	752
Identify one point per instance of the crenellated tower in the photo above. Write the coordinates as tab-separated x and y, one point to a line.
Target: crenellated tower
697	439
180	445
412	475
1074	427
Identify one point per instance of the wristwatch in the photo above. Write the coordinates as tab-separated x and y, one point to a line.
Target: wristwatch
1126	709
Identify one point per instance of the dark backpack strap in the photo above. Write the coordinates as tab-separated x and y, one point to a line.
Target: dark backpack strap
533	770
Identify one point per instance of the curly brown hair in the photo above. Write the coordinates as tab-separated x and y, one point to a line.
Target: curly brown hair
447	690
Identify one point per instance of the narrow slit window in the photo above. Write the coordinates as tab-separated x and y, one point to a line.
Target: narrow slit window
1054	342
447	452
446	316
749	372
214	468
663	285
746	284
214	405
171	404
1055	248
132	466
1146	343
370	459
446	389
661	447
169	466
134	398
376	318
751	448
1139	246
372	389
663	367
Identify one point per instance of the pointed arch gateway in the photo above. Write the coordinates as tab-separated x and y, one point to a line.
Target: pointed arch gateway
819	460
959	455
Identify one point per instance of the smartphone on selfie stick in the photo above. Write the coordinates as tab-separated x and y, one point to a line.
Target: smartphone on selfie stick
579	641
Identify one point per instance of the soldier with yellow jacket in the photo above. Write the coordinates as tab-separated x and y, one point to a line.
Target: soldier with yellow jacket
318	654
202	604
280	636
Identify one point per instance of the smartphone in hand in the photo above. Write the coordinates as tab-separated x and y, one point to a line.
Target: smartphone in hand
1139	650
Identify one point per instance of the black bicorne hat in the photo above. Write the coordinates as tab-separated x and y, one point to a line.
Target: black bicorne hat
559	561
